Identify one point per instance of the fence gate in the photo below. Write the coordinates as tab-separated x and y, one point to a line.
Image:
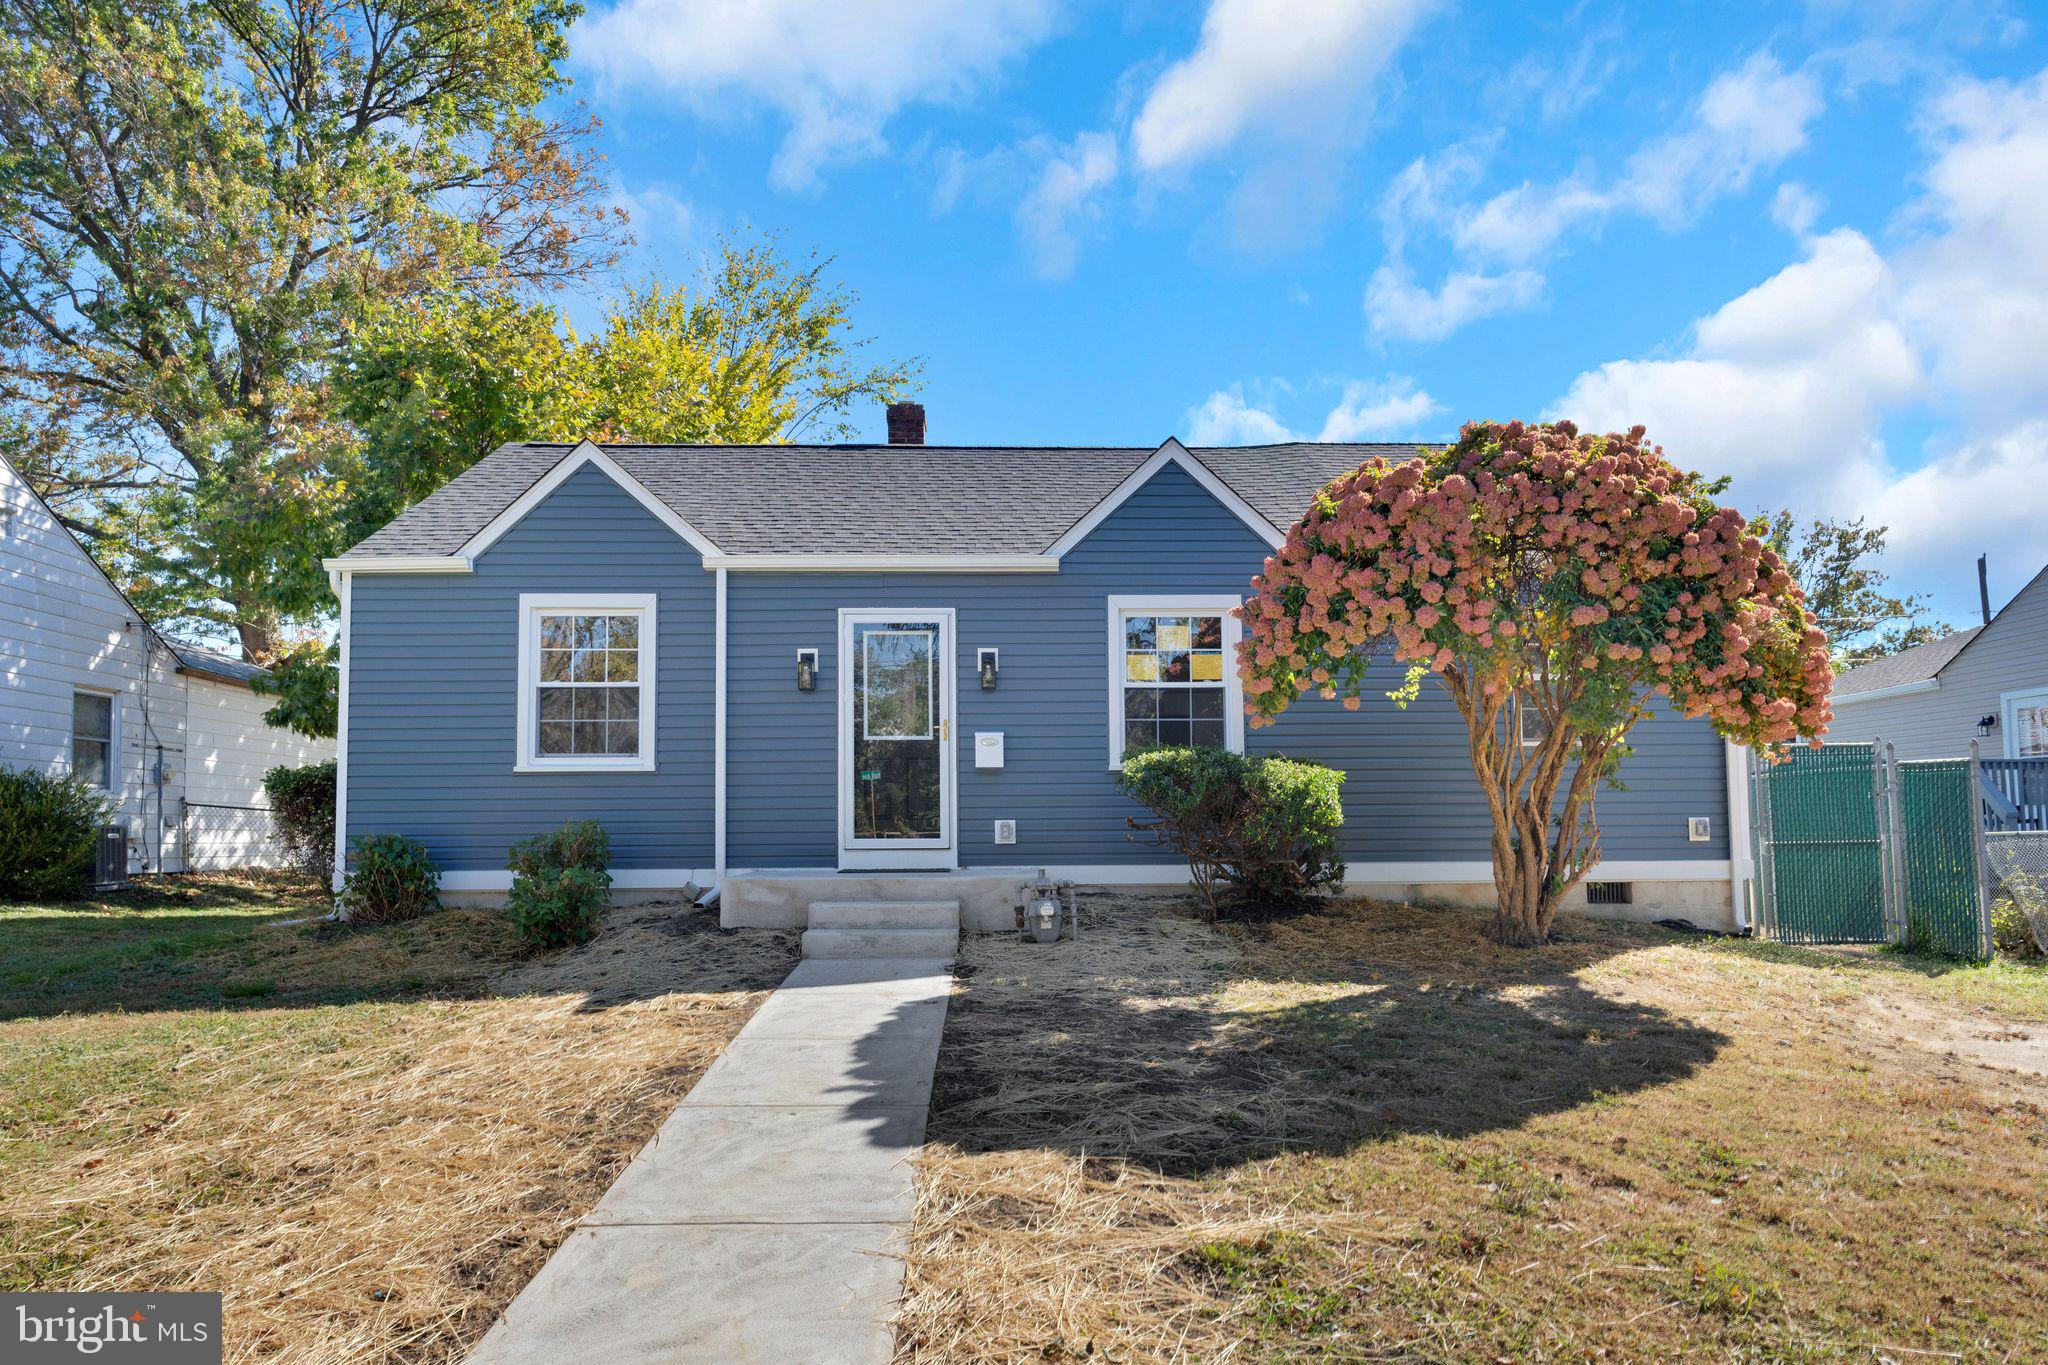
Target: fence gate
1940	879
1820	846
1853	846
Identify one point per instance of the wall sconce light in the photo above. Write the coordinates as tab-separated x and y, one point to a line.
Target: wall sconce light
1986	726
985	664
807	670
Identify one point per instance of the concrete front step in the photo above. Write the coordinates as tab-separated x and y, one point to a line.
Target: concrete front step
882	914
887	943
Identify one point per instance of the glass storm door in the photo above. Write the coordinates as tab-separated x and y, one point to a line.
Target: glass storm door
896	738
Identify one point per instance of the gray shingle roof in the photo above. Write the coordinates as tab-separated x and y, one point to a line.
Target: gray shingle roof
1917	664
869	499
214	664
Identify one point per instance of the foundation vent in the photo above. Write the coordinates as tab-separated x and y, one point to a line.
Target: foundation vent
1610	893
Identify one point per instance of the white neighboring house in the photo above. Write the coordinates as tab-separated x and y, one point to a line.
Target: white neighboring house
88	686
1988	683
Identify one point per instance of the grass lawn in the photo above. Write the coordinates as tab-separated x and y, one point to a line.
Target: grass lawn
368	1139
1369	1134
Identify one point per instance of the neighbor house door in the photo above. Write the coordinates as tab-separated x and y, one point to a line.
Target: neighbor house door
896	742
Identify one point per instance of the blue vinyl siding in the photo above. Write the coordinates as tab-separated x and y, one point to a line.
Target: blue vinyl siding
433	691
1410	795
433	675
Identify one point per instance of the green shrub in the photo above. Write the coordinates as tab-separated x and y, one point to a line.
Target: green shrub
390	878
559	907
1261	827
49	827
302	807
2012	927
561	884
580	843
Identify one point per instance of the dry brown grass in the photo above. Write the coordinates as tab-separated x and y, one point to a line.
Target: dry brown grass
1372	1134
368	1181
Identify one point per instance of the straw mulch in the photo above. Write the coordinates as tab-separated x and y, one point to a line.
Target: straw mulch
370	1181
1370	1133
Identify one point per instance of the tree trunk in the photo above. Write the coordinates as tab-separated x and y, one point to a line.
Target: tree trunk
1521	919
258	634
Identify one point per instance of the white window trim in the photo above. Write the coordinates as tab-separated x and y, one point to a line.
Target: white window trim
1122	605
531	606
2009	704
115	783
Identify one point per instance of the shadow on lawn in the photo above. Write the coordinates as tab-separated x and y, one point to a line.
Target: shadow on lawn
1309	1047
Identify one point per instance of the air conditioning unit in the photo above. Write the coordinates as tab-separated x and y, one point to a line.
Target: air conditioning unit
110	859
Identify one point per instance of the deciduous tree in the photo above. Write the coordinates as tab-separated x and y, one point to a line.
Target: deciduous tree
1836	564
1538	569
195	198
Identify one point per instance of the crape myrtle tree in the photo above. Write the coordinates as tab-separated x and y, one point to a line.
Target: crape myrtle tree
1555	584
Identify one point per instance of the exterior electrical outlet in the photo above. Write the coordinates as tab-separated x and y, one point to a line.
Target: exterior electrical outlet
1006	831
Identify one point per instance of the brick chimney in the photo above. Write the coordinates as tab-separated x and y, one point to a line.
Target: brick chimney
906	424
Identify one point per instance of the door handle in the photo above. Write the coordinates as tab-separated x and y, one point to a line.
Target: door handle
945	731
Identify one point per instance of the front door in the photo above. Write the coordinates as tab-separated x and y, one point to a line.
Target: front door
896	739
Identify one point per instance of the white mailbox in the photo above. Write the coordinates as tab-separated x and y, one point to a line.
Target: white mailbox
988	748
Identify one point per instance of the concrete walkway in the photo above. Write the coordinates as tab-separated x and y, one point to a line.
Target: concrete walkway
763	1222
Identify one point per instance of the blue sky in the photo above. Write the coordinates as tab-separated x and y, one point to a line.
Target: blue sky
1800	241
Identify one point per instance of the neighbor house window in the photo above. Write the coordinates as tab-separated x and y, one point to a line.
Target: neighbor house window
586	682
1173	674
2026	716
92	738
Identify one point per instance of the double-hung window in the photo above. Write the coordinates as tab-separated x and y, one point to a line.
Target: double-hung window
1173	674
586	682
92	738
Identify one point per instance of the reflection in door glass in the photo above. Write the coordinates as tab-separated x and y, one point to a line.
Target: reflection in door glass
896	773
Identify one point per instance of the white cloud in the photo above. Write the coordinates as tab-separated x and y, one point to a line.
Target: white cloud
837	72
1785	386
1065	200
1979	279
1364	410
659	216
1523	223
1789	385
1796	207
1270	66
1982	495
1746	121
1392	408
1749	119
1395	306
1226	419
1427	185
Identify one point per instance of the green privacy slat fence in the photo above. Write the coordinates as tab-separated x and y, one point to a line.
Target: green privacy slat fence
1823	845
1938	857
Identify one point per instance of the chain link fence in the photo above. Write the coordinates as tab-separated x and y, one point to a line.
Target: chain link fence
2019	881
225	838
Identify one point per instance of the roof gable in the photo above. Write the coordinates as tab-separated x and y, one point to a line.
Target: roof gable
763	506
585	454
1172	453
1919	669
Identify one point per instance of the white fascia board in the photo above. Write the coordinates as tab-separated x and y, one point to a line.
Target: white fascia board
587	453
397	564
1173	452
1879	693
882	563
